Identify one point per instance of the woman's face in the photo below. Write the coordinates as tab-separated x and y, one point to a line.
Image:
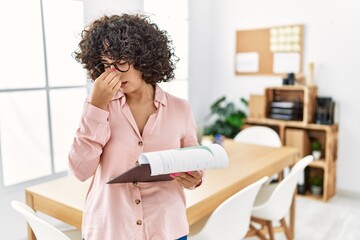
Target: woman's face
131	80
130	77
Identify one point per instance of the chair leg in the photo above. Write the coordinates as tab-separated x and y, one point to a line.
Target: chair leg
258	232
271	230
286	229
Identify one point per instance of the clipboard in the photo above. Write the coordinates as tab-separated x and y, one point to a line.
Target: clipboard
158	165
141	173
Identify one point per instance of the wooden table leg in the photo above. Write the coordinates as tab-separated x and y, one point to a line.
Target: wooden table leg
30	202
292	217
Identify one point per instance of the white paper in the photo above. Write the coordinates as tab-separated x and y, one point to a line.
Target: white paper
286	63
185	159
247	62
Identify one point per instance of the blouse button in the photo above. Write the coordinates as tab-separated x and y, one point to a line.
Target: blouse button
139	222
137	201
140	143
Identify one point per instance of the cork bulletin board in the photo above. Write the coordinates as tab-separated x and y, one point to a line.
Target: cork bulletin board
269	51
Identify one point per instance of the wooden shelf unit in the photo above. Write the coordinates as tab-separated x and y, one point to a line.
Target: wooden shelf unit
305	95
300	134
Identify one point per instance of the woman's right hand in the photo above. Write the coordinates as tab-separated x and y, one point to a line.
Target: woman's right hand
105	87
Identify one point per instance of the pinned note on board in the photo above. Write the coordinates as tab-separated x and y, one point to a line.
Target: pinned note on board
269	51
286	62
247	62
285	39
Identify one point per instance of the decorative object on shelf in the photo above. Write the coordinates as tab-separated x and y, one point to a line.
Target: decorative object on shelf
289	80
316	149
325	108
286	110
218	138
302	184
228	118
316	183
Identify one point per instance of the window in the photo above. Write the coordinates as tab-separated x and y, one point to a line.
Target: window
172	16
42	87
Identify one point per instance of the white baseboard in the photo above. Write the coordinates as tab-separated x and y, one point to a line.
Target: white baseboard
347	193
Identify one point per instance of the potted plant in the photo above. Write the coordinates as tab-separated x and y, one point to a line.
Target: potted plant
227	119
316	149
316	185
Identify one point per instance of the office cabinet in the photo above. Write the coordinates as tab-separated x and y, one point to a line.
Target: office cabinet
300	133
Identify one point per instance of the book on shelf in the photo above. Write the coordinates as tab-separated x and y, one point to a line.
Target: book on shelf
158	165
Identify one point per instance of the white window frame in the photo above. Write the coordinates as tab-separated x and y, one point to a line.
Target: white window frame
47	88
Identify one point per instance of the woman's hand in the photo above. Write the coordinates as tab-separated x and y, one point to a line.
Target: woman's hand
105	87
188	180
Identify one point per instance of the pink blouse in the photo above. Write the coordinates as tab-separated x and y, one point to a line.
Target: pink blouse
108	143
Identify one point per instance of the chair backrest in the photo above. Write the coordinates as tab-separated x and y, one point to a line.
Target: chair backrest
278	204
259	135
231	219
42	229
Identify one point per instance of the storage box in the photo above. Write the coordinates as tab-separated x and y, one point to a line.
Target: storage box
257	106
303	95
298	138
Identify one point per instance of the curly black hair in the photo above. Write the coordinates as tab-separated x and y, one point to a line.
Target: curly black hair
133	38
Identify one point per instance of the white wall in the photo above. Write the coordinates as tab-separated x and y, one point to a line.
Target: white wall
332	37
94	9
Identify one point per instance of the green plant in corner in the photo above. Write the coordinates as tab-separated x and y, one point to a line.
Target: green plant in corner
228	118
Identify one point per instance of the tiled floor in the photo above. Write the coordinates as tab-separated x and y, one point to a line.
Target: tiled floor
338	219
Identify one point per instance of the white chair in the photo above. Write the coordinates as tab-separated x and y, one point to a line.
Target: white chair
259	135
231	219
41	228
274	200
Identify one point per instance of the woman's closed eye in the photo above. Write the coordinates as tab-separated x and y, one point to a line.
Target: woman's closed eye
120	66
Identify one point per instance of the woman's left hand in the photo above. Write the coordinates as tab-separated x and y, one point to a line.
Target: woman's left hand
188	179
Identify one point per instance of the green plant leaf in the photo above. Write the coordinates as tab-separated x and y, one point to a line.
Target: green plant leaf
316	145
244	101
229	109
316	181
217	103
228	119
234	120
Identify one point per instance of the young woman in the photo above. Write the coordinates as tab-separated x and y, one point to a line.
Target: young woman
127	114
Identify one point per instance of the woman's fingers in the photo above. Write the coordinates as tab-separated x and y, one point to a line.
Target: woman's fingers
196	174
103	76
189	179
105	88
109	80
117	85
111	77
